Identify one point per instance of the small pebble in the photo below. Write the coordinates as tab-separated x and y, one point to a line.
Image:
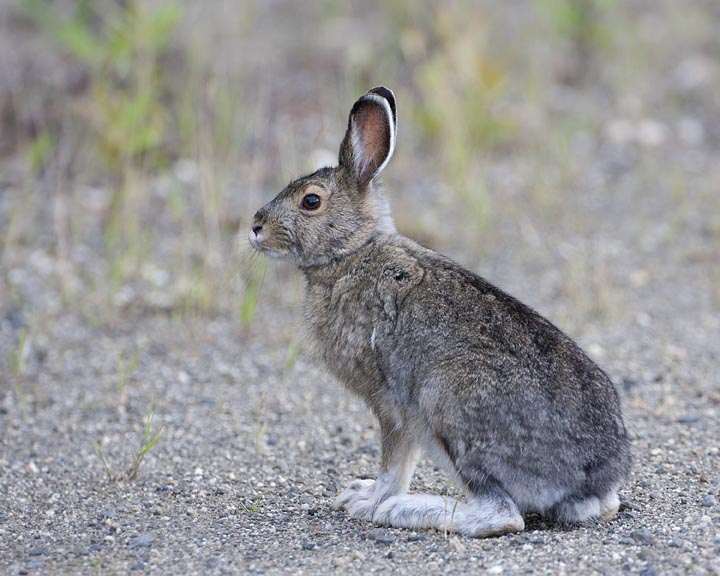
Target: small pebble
144	540
643	535
689	419
381	536
39	551
709	500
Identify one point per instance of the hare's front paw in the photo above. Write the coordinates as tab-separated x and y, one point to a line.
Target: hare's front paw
359	499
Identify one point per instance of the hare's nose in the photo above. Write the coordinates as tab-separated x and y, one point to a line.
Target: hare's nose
258	222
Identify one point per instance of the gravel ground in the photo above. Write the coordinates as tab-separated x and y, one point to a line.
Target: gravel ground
622	251
255	448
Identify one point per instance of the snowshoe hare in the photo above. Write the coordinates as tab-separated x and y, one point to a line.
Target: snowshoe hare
507	404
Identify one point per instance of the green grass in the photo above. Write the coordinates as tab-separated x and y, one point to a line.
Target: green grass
18	356
251	292
261	423
252	508
17	360
448	526
149	439
457	86
136	118
294	349
121	45
589	289
171	123
586	29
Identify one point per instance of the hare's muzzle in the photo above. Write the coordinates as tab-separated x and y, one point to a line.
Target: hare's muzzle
255	235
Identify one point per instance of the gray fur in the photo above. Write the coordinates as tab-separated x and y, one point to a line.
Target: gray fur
517	414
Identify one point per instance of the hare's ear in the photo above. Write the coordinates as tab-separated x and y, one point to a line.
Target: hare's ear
370	138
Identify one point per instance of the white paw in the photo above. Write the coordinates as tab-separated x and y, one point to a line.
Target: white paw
359	499
414	511
478	518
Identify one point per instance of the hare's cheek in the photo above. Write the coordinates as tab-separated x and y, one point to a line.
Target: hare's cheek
277	238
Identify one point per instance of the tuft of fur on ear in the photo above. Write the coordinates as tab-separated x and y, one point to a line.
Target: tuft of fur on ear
370	138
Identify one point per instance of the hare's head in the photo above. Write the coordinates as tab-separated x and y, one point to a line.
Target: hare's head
322	217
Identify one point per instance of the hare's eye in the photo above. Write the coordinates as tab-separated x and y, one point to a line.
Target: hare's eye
311	202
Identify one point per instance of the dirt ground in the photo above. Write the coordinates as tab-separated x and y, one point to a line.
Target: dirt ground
601	211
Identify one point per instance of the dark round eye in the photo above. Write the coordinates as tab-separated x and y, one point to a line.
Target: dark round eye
311	202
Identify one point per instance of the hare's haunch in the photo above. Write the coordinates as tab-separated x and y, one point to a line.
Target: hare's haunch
514	411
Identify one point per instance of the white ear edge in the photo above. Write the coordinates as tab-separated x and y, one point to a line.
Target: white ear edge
393	134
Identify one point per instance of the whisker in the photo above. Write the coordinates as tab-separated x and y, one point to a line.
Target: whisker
277	277
262	280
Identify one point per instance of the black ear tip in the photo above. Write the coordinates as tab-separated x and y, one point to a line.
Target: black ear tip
383	91
386	93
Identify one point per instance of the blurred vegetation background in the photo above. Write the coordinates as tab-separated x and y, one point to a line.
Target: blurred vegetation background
138	137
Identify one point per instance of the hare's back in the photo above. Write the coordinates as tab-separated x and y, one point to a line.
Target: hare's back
487	346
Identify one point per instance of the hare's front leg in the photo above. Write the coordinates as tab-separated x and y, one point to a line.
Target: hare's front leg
399	456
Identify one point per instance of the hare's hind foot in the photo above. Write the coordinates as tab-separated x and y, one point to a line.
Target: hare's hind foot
609	506
485	515
587	510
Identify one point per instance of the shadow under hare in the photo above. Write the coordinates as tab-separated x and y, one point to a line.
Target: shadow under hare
507	404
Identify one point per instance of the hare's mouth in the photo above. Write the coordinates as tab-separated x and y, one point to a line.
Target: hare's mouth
256	241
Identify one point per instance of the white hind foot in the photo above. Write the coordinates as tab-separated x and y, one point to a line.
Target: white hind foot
587	510
485	515
609	506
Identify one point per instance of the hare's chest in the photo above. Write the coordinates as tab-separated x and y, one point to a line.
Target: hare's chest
343	322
